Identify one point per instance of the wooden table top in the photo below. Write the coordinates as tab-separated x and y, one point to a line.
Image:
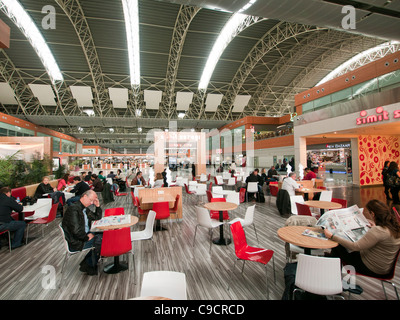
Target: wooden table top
323	204
293	235
220	206
157	198
309	190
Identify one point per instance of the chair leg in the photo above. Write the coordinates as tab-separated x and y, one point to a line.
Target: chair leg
27	233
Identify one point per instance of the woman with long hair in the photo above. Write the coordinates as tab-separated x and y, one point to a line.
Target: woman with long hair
375	252
384	179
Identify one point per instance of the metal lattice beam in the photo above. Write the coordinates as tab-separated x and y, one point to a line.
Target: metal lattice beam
281	32
184	18
102	103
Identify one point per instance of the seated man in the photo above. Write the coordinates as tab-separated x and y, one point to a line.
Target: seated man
138	180
76	224
79	189
290	185
45	188
7	206
255	177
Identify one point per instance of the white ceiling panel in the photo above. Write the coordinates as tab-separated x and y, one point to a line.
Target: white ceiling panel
44	93
6	94
240	103
152	99
213	101
83	95
183	100
119	97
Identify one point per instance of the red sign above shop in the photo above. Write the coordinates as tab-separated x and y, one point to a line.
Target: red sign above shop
381	115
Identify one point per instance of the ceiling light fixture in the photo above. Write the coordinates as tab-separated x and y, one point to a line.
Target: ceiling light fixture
17	13
131	14
229	31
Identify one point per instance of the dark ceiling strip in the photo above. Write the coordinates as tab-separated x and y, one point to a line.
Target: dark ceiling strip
367	7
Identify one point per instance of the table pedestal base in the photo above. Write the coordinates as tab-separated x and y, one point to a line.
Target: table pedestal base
115	267
221	242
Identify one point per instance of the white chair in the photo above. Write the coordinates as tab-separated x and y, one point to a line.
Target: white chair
192	186
203	178
326	195
219	181
318	275
293	200
231	182
204	220
233	197
226	175
248	219
68	253
252	187
147	232
201	189
215	192
167	284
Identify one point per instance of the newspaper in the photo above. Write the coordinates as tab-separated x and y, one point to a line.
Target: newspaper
110	221
348	223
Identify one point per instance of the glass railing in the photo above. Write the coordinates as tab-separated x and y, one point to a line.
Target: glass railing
384	82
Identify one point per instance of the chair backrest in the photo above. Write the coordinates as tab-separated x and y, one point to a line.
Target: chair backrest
151	217
303	209
63	238
226	175
209	195
161	209
343	202
167	284
233	197
210	186
186	188
176	202
273	189
116	242
242	194
217	188
319	275
114	212
52	213
252	187
293	200
326	196
203	177
219	180
232	181
249	216
218	200
239	237
203	217
201	188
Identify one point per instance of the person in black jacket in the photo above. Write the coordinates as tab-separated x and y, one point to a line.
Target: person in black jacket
7	206
76	224
384	179
45	188
79	189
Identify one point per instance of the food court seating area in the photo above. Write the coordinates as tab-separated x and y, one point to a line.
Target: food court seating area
208	273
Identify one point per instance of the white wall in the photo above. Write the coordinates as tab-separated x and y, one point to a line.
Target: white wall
266	156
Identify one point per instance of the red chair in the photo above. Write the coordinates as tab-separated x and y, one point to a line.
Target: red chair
303	209
273	191
43	221
209	195
215	214
343	202
114	244
247	253
117	194
162	212
174	210
140	210
242	195
114	212
9	238
187	190
210	187
322	188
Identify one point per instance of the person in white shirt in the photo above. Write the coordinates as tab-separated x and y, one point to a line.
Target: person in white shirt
290	184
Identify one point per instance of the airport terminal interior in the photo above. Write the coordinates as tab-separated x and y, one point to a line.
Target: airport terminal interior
184	103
